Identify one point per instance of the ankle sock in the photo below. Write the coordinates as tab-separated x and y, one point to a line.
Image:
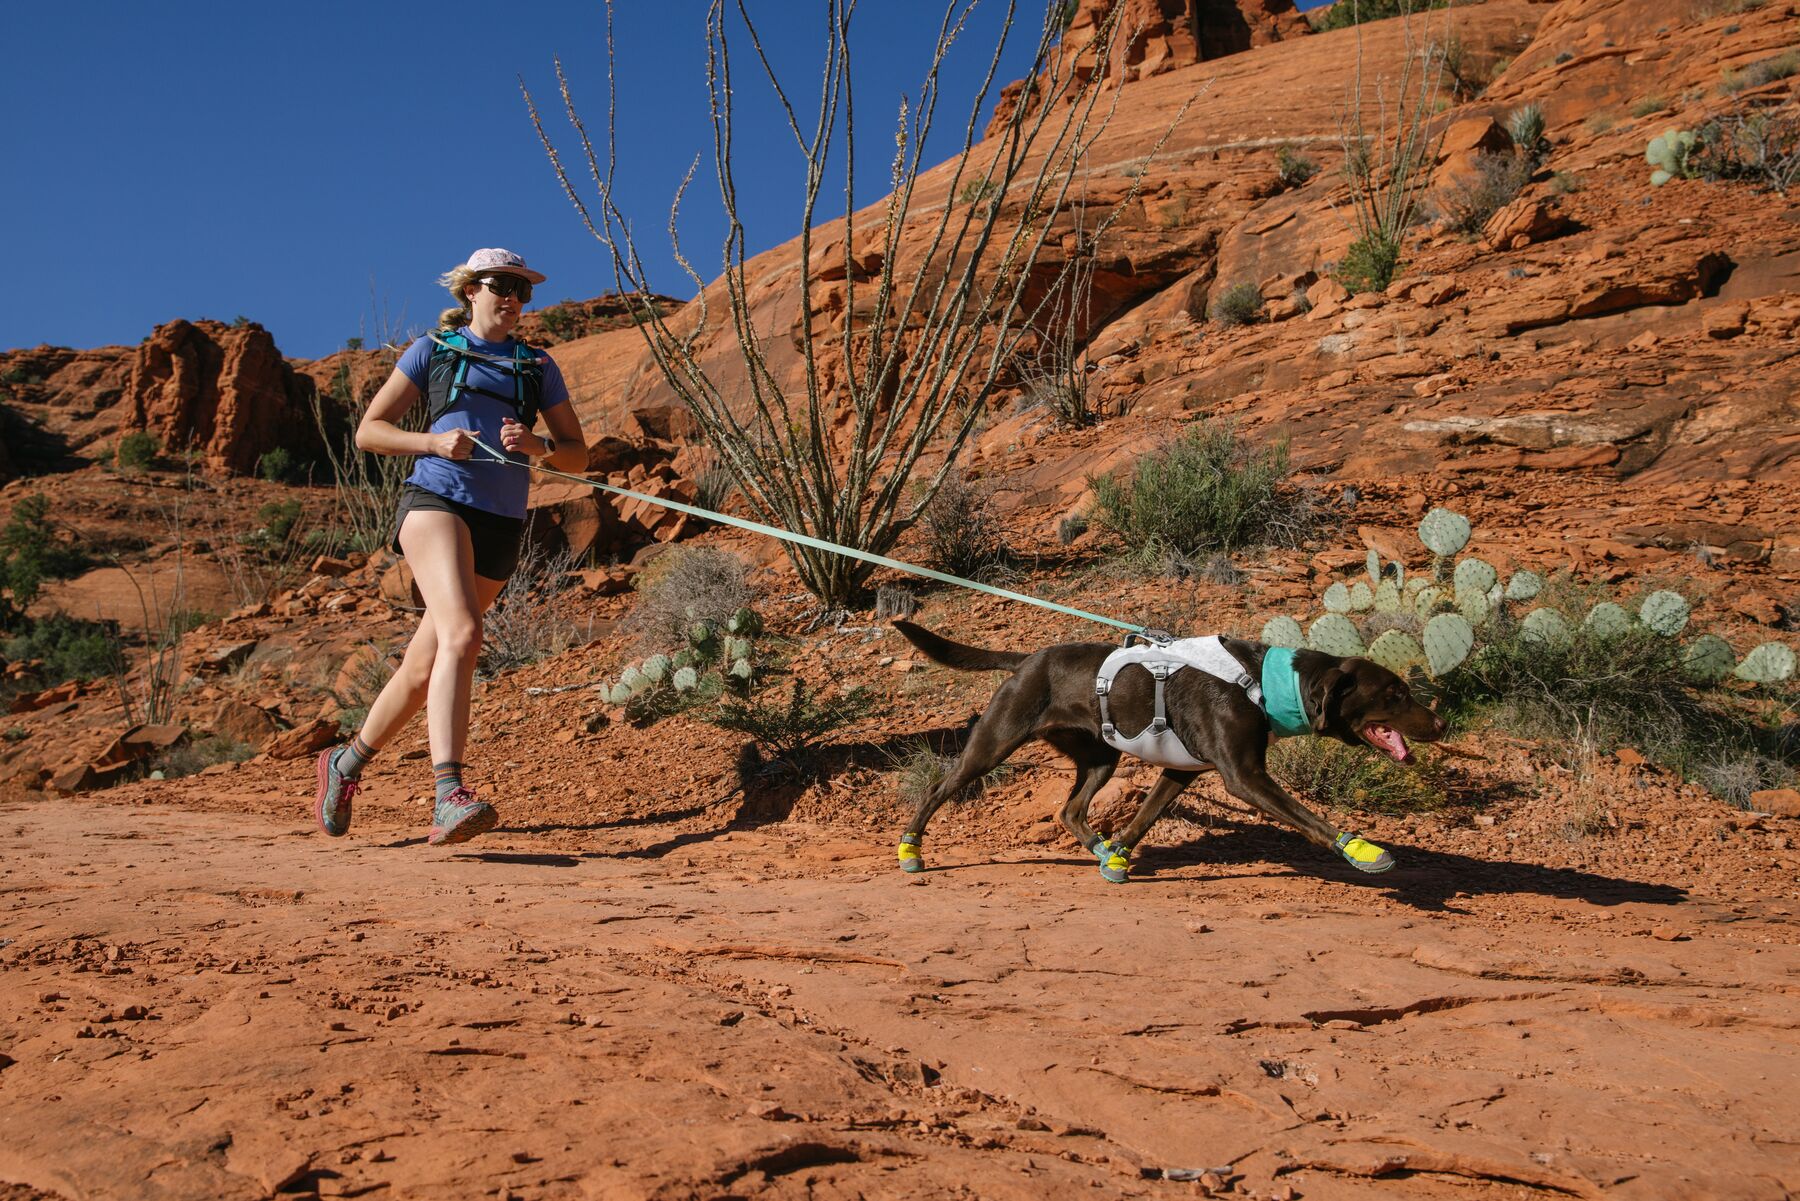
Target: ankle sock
352	758
448	777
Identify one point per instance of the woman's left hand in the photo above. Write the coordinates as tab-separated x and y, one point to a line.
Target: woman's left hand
518	440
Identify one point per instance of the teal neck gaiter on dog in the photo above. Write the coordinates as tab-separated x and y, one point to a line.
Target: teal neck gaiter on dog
1281	693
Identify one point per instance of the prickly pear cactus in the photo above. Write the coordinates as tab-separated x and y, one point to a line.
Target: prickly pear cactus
1708	659
1474	606
1387	597
1606	620
1362	599
1431	600
656	668
1447	642
633	679
1546	627
1373	565
1474	575
1283	631
1397	651
1336	598
1443	532
746	622
741	670
1669	153
1335	634
618	694
684	679
1524	585
1664	612
1770	663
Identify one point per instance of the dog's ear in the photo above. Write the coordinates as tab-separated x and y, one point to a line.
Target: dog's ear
1335	680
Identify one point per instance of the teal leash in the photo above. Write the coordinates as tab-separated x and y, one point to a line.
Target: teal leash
757	527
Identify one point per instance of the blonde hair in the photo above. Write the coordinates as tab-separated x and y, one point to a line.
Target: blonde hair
457	280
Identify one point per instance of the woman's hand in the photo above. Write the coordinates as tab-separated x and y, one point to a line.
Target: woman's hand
515	439
453	444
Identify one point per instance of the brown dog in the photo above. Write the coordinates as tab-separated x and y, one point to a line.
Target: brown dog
1051	696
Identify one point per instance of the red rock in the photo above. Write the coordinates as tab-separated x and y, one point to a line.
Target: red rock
227	656
327	566
1522	222
243	722
1784	802
77	777
304	740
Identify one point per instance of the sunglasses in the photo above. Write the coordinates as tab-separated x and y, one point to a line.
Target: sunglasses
508	285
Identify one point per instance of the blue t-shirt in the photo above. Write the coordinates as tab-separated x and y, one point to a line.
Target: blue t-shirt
489	486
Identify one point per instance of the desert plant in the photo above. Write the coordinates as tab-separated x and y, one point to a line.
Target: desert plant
681	586
1054	372
834	457
279	466
137	450
977	190
530	620
1757	74
1208	490
367	486
1388	165
788	728
1671	153
1760	146
1649	105
963	534
70	648
717	659
1345	13
1470	202
1525	125
1240	304
1292	167
1347	777
30	553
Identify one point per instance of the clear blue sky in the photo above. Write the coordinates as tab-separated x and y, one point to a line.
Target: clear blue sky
210	159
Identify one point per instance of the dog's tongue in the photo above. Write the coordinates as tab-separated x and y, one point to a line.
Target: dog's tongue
1389	740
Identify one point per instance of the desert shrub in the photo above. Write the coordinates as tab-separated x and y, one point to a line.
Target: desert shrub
190	757
530	620
684	585
976	190
275	523
1757	146
1347	777
137	450
920	769
30	553
1470	202
280	466
1597	692
1564	183
1240	304
1646	105
71	648
1525	125
1208	490
1369	264
713	486
1292	167
963	534
1757	74
786	729
1345	13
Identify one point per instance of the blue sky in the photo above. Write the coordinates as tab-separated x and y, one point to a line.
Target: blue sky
208	159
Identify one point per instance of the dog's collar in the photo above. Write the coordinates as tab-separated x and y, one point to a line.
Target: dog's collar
1281	693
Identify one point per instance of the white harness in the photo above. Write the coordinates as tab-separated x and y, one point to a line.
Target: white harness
1157	743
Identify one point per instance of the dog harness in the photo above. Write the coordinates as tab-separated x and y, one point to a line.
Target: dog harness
1278	695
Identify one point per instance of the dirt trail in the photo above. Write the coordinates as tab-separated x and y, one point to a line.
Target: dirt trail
217	1005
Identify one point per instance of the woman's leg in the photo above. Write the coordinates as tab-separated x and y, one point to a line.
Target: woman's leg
437	548
404	693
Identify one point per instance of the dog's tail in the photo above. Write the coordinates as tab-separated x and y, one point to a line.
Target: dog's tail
955	654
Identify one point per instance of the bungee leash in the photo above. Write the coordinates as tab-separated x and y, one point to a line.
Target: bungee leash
757	527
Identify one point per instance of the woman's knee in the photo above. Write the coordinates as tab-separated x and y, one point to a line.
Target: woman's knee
459	639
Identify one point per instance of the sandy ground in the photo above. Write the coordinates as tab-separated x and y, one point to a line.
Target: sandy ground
215	1004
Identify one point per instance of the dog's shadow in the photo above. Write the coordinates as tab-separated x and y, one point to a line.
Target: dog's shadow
1423	878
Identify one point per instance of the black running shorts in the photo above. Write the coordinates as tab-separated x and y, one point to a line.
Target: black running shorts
495	538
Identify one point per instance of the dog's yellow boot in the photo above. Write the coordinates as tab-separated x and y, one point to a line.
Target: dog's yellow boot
1362	854
909	853
1115	861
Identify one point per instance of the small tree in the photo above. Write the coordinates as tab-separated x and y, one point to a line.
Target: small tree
923	341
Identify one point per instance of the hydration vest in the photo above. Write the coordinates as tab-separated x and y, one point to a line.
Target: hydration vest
448	372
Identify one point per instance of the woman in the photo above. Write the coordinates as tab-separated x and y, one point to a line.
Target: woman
460	517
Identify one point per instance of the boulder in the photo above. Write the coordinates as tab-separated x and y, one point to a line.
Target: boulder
304	740
240	721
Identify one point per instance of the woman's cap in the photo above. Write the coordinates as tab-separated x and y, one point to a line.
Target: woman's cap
495	259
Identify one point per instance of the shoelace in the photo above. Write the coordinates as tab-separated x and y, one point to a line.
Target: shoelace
459	796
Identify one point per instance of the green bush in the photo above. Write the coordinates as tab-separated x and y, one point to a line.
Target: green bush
276	521
1648	105
1345	13
788	728
976	190
964	536
137	450
1240	304
278	466
1347	777
1208	490
1757	74
71	648
1369	264
31	554
1292	167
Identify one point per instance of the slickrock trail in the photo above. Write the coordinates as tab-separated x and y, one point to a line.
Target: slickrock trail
216	1004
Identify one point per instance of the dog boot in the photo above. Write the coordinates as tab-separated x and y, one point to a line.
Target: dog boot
1115	861
1363	855
909	853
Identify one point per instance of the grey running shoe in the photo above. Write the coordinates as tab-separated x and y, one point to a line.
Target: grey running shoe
332	807
460	817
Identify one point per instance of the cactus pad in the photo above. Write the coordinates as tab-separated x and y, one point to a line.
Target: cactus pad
1770	663
745	622
1447	642
1335	634
1708	659
1524	585
1397	651
1474	575
1283	631
1429	601
1474	606
1665	612
1443	532
1336	598
633	679
656	668
740	669
618	694
684	679
1546	627
1373	564
1361	598
738	648
1387	597
1606	620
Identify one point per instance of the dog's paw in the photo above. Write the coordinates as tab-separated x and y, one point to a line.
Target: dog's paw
908	853
1115	861
1363	855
